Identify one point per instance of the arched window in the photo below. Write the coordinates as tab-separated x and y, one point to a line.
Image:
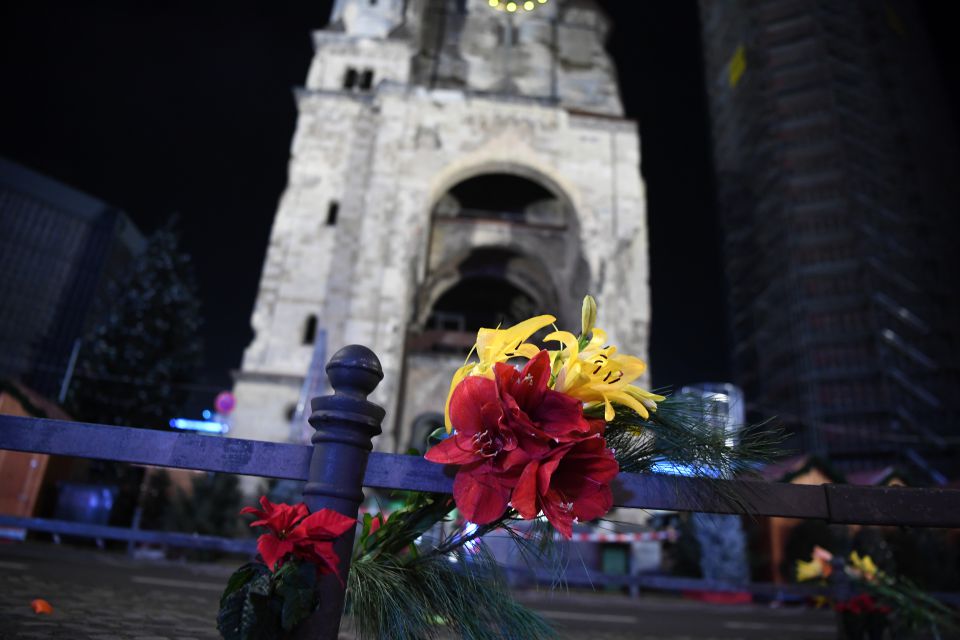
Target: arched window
504	196
310	330
350	78
366	80
481	301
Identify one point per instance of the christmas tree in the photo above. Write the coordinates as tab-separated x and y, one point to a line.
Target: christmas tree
135	362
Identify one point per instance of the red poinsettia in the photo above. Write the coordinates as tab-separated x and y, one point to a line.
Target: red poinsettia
294	530
510	424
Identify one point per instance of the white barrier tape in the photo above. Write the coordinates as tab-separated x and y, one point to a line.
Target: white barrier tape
643	536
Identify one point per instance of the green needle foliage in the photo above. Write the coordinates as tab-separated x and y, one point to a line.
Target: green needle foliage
427	596
689	432
406	584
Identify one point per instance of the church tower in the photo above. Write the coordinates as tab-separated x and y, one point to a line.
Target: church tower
456	164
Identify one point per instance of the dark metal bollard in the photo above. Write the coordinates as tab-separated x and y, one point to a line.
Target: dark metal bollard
345	424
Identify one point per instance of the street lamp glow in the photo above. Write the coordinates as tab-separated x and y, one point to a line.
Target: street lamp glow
203	426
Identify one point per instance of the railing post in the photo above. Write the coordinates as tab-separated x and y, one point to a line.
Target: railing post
345	424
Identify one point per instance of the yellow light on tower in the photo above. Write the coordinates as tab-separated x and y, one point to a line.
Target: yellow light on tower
512	6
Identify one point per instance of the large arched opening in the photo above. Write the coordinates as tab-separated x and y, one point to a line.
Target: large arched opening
504	245
504	197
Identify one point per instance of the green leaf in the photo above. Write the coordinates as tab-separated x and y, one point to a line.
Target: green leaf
437	436
241	577
259	620
258	616
299	595
231	611
236	616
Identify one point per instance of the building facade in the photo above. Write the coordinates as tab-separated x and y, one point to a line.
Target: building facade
59	251
454	166
837	178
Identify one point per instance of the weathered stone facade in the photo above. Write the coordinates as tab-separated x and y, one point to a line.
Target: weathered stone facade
403	103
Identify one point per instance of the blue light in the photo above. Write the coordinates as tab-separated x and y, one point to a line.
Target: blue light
206	414
675	469
205	426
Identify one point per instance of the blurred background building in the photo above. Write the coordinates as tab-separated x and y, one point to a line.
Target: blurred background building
59	251
451	164
836	171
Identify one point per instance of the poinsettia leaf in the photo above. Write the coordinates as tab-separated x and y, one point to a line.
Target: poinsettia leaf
231	611
240	577
298	592
259	619
285	570
246	612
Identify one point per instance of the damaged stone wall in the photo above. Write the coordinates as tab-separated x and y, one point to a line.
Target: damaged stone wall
388	155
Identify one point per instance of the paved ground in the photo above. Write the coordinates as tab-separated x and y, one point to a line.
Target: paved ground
107	596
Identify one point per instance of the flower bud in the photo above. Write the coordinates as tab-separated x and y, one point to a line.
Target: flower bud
588	315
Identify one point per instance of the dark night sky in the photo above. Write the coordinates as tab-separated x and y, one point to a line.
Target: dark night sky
162	107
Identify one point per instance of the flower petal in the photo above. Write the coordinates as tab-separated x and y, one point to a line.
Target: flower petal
459	375
529	385
524	497
558	515
453	450
325	524
273	549
467	402
480	498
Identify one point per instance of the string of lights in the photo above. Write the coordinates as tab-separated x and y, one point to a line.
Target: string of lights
510	6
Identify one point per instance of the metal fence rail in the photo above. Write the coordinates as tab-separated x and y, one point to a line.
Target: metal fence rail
242	546
339	464
841	504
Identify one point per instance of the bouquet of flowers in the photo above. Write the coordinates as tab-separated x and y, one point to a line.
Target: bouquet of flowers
883	598
536	435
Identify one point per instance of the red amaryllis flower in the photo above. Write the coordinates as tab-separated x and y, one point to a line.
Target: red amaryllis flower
502	425
572	482
294	530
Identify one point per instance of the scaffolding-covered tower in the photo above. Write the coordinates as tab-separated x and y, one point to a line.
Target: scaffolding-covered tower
837	178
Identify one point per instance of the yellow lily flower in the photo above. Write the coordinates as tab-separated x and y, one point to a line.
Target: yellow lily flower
809	570
864	565
497	345
599	375
817	567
